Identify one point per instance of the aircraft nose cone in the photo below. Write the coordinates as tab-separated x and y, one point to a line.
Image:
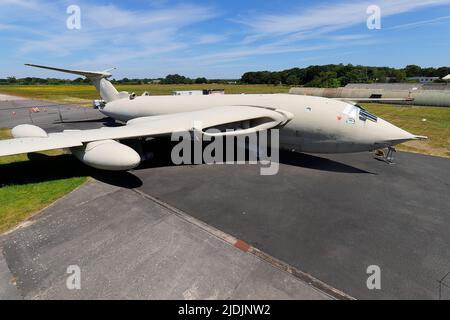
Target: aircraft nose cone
391	135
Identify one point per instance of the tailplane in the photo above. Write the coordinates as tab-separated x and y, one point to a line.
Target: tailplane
103	86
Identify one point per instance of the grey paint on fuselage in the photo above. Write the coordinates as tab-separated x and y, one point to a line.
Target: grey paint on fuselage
320	125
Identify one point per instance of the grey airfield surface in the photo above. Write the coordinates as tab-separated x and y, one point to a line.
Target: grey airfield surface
331	216
127	246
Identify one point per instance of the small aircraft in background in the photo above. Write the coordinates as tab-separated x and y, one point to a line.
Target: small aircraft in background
306	123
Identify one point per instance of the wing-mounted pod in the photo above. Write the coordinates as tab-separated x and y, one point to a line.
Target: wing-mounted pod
104	154
28	131
107	155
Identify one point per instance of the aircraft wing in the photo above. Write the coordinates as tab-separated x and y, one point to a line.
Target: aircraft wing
257	118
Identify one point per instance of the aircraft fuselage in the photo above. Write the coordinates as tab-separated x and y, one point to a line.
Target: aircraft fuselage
319	125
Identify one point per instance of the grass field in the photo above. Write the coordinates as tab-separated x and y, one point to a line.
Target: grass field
432	122
84	94
35	188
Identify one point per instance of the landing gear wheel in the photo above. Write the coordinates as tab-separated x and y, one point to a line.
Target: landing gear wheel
387	157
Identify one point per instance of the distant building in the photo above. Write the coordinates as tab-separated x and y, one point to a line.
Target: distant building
385	86
156	81
422	94
213	91
188	93
399	86
423	79
391	79
205	92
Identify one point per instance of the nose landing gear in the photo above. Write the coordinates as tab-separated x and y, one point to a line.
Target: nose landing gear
387	157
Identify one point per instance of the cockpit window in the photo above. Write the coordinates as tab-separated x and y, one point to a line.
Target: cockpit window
366	115
356	111
351	111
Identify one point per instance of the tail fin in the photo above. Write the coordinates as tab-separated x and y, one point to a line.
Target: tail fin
103	86
446	77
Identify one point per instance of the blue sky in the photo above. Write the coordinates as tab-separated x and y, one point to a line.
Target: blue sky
219	39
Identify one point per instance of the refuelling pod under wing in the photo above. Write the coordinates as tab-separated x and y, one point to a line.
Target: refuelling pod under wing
28	131
107	155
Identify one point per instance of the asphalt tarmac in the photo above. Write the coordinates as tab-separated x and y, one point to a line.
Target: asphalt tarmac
331	216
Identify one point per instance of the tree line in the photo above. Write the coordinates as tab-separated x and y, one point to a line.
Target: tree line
330	76
170	79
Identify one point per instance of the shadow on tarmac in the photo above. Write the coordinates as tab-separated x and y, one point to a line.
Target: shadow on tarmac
314	162
42	168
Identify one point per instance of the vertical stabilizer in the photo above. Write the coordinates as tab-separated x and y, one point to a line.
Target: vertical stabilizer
106	89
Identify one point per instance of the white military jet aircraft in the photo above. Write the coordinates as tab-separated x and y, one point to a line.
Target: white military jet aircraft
307	124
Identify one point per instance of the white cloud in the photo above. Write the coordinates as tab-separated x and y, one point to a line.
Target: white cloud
111	16
6	26
113	57
61	45
114	34
335	16
235	54
31	10
422	23
168	36
20	3
210	38
348	37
